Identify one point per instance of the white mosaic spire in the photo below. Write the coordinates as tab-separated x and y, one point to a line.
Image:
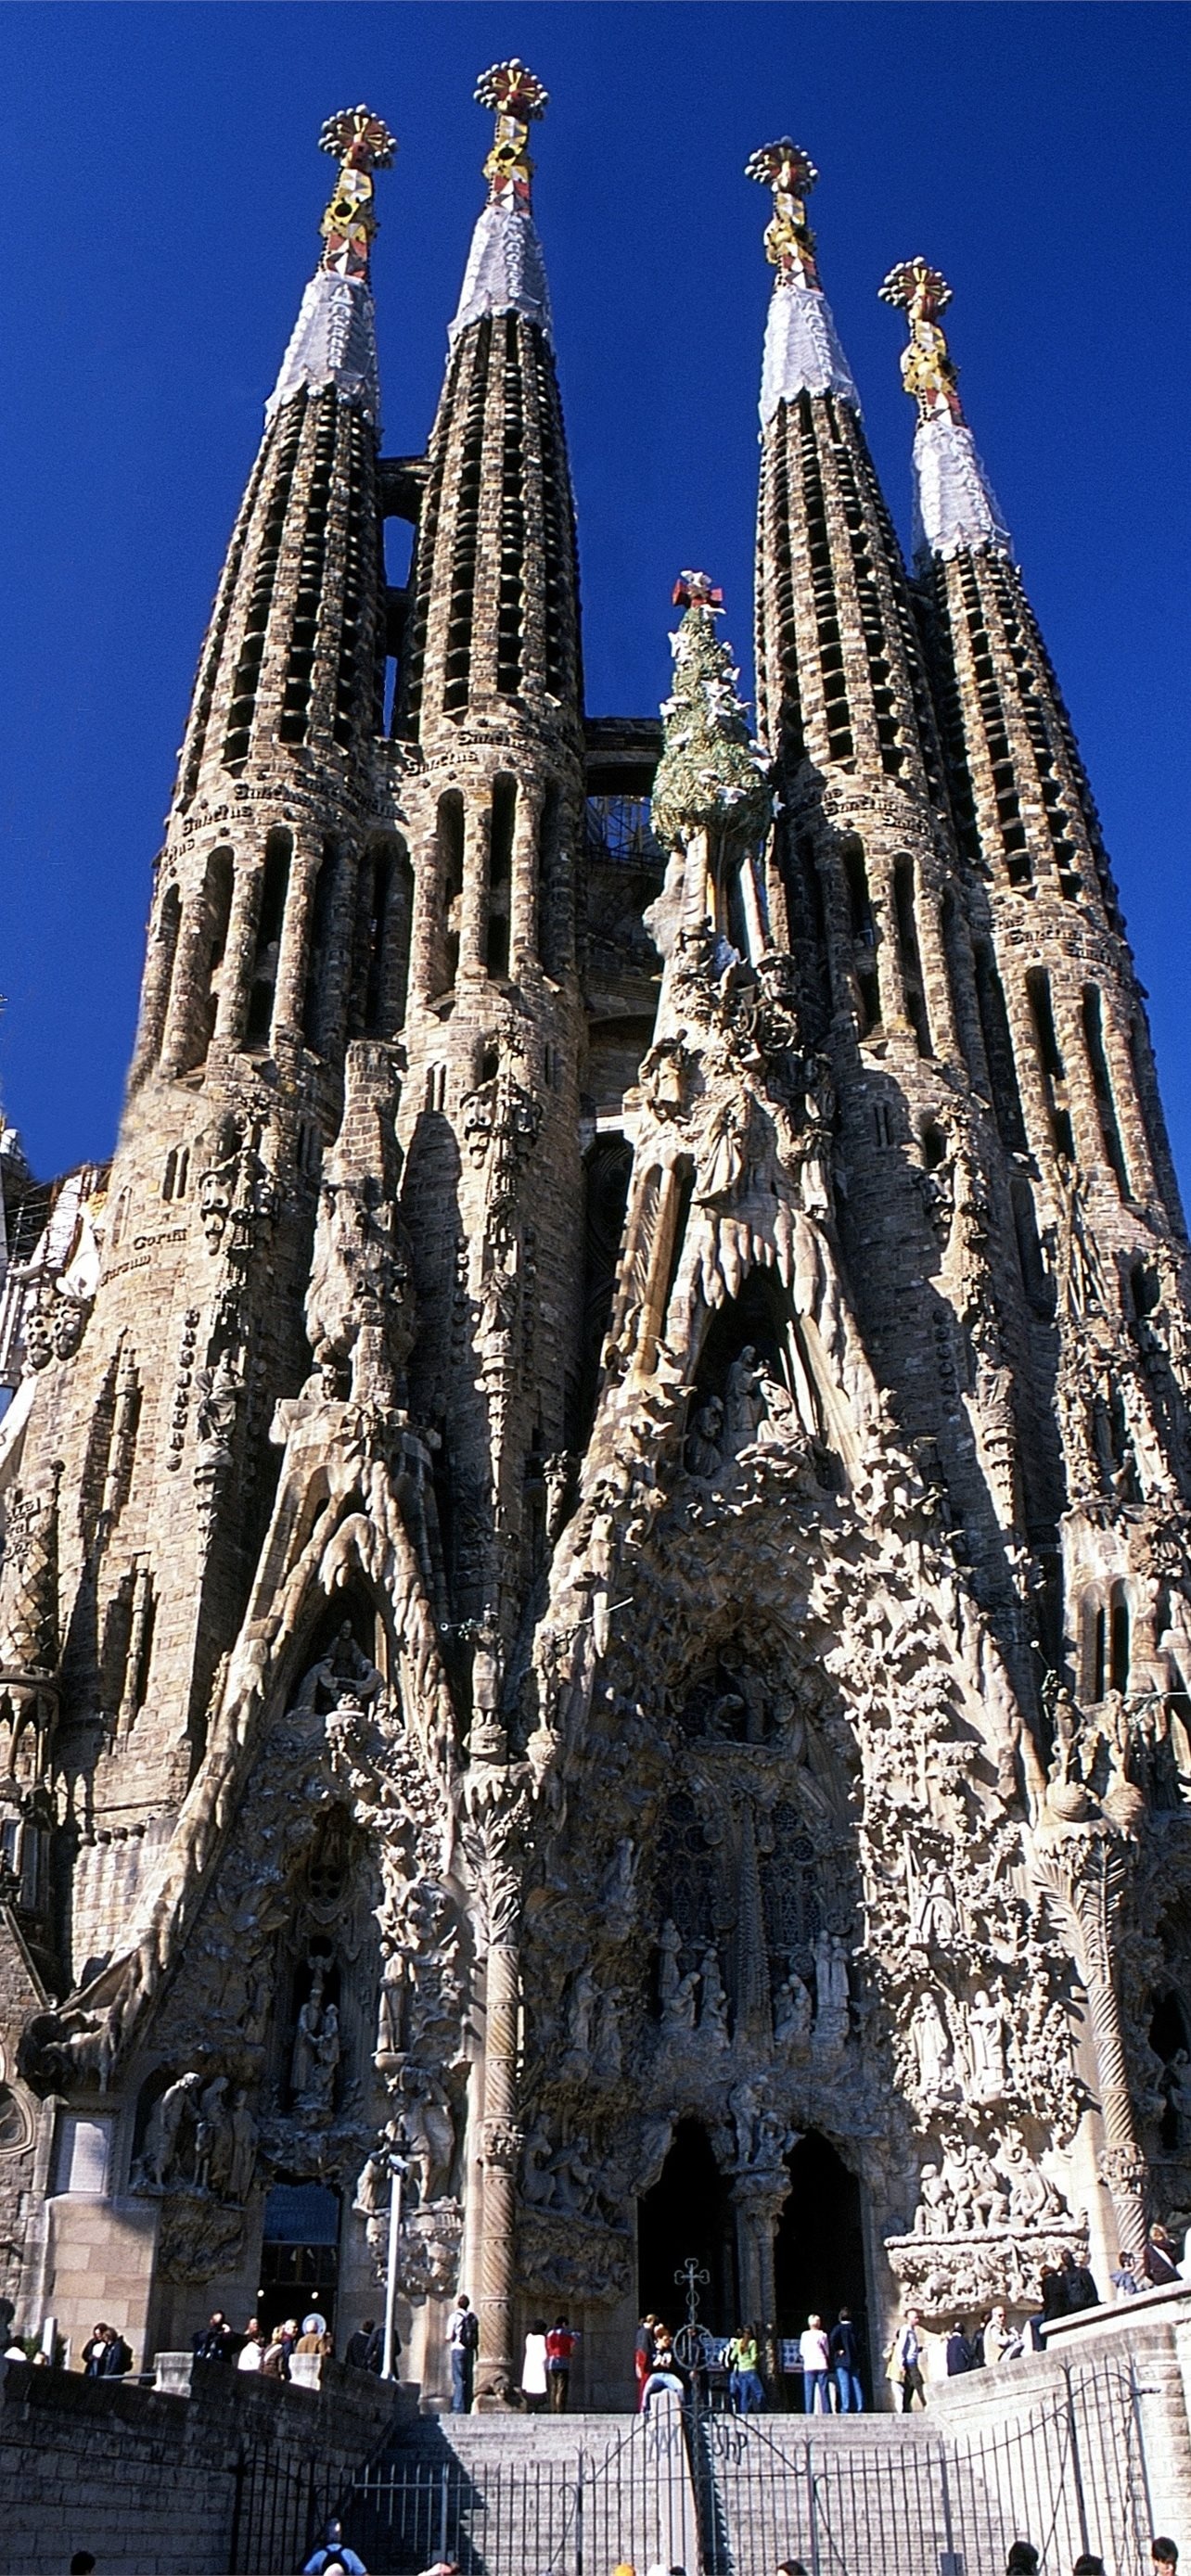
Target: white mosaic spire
803	354
506	272
334	338
955	507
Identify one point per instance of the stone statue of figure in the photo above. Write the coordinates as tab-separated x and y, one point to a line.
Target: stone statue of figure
581	2015
743	2104
537	2180
328	2049
987	2036
670	1947
704	1456
391	2004
218	1391
212	2137
175	2109
744	1399
932	2044
831	1986
304	2063
936	1921
607	2050
713	2002
791	2011
243	2135
678	2012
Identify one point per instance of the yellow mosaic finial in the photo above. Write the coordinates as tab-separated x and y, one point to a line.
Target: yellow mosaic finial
928	371
789	241
361	143
516	99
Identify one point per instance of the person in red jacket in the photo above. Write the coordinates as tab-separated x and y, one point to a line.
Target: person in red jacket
560	2352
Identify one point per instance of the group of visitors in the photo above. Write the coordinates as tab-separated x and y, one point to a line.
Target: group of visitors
546	2368
106	2355
255	2350
1023	2560
831	2383
829	2361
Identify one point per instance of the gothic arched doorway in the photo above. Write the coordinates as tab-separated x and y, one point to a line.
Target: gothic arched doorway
818	2252
688	2211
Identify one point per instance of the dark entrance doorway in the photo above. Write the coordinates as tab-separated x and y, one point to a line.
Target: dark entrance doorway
689	2211
818	2253
300	2254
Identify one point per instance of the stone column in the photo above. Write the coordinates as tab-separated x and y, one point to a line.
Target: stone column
500	1794
524	931
1088	1877
235	975
759	2196
290	989
473	924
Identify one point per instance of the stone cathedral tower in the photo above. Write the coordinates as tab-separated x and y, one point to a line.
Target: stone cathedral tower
595	1587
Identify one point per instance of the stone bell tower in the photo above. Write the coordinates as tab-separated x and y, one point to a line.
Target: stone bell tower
490	718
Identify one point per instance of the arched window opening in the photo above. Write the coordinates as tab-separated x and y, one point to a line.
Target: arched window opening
933	1143
175	1175
1093	1031
911	959
457	675
500	873
1118	1662
120	1217
1145	1288
160	975
270	919
449	860
318	999
1035	1277
607	1171
1099	1661
211	944
860	911
550	929
868	992
436	1087
1050	1061
998	1051
687	2211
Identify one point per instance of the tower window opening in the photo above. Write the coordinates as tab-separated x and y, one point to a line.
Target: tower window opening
1093	1030
423	562
1050	1061
512	521
552	943
1035	1278
260	597
560	568
449	858
215	913
377	892
213	656
869	996
860	911
294	724
270	919
1099	1653
174	1177
998	1051
160	976
457	686
1118	1662
352	668
500	872
907	940
933	1143
883	1125
436	1087
1145	1288
318	1000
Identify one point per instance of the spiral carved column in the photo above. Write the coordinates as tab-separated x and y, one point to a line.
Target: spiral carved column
1090	1888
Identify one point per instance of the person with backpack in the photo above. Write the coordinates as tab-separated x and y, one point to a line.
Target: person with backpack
845	2362
463	2337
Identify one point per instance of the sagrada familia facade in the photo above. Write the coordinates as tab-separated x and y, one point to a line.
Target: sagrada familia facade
595	1592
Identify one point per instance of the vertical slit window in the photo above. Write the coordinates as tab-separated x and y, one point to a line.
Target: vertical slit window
216	902
998	1051
1119	1641
831	657
907	940
352	675
500	873
450	878
160	977
303	642
213	655
559	563
260	597
551	943
467	530
425	549
512	520
1035	1279
318	998
1050	1061
1093	1031
270	920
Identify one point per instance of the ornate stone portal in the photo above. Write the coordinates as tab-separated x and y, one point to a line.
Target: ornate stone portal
470	1722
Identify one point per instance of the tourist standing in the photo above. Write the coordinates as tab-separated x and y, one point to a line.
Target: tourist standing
560	2352
845	2362
366	2347
315	2336
746	2395
816	2357
907	2362
463	2335
214	2341
534	2370
252	2351
1002	2342
643	2356
276	2356
1079	2288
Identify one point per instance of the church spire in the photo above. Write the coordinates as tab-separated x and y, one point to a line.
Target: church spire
955	505
505	271
802	348
334	337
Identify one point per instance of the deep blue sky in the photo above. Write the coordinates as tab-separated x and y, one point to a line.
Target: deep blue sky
163	192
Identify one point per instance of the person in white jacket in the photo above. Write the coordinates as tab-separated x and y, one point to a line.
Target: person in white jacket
815	2350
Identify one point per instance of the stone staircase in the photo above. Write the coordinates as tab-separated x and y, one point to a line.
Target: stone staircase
517	2495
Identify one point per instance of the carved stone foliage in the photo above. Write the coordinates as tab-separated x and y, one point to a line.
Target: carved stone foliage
960	2276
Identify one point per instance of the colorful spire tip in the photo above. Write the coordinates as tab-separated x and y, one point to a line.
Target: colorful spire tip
362	143
516	98
789	242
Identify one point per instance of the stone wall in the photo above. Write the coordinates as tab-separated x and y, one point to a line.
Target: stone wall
148	2482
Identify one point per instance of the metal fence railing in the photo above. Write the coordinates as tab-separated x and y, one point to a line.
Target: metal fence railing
848	2496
